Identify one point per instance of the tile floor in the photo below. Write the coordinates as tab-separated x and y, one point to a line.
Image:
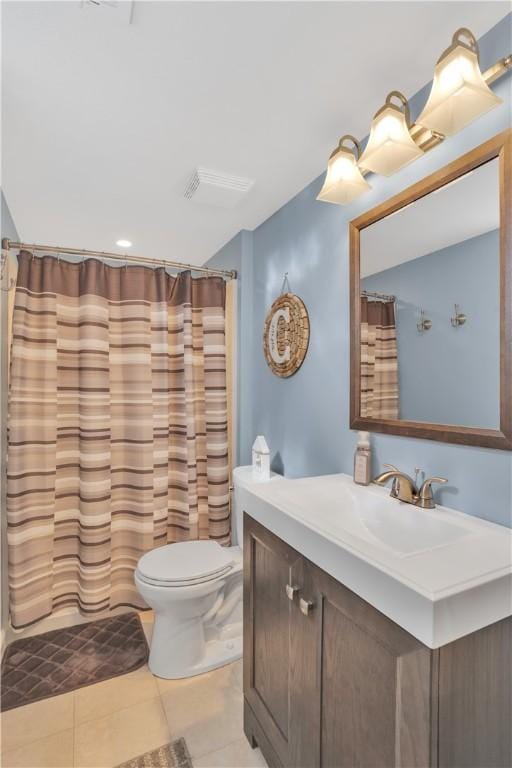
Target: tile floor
105	724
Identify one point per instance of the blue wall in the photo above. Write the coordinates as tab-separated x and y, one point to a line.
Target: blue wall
306	418
448	375
238	254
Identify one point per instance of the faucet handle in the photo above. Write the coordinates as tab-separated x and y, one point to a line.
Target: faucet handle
394	485
438	480
425	496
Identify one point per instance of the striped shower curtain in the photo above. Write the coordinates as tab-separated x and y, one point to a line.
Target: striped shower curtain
379	360
117	429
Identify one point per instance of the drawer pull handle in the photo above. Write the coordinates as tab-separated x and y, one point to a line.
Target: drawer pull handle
290	591
306	606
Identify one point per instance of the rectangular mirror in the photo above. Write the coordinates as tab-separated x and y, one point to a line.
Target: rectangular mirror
431	305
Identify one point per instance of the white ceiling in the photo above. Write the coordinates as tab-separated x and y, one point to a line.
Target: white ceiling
456	212
103	123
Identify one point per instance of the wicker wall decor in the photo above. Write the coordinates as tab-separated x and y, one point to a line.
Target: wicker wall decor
286	335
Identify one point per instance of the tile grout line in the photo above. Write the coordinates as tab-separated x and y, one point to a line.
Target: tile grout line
17	747
219	749
39	738
169	732
115	711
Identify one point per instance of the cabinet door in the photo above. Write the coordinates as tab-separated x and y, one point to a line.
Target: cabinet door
360	685
267	571
475	699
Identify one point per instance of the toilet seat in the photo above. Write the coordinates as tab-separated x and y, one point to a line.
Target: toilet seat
185	564
181	584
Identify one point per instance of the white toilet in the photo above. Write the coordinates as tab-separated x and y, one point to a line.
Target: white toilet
195	590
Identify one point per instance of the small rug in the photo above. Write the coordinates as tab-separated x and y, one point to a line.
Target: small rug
63	660
173	755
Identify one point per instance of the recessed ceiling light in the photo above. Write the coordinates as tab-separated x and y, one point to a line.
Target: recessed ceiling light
124	243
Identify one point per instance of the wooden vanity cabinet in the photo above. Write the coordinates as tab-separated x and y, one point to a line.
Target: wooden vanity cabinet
330	682
268	563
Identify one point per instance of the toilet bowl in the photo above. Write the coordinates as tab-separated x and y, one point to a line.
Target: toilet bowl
195	591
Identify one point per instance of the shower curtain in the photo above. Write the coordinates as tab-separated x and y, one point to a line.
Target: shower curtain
379	360
117	429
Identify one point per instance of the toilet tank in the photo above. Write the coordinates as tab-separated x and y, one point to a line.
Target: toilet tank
242	477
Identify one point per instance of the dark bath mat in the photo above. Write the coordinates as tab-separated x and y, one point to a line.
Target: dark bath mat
63	660
173	755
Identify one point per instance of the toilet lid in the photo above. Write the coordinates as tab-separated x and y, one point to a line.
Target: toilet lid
185	561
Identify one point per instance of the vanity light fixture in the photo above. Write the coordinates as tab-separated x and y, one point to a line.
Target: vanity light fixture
124	243
390	145
459	92
344	181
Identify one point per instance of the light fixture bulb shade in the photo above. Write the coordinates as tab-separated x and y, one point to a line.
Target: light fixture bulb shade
344	181
459	92
390	145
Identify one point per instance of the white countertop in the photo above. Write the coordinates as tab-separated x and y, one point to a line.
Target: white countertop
439	574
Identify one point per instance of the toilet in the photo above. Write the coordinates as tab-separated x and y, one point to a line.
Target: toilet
195	591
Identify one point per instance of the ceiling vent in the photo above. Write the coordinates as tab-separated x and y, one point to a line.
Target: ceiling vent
214	188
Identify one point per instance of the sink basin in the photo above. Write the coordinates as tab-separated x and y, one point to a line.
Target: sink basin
408	533
369	514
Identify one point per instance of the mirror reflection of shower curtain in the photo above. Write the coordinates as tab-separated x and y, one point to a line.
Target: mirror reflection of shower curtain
231	331
117	431
379	360
7	293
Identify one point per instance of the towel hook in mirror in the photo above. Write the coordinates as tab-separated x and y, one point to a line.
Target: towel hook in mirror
423	324
459	318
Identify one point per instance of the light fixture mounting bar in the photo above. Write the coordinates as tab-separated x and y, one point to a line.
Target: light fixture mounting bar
499	69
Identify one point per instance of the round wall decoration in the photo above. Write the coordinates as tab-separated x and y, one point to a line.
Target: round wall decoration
286	335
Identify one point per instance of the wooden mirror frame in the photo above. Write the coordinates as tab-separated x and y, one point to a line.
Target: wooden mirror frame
498	147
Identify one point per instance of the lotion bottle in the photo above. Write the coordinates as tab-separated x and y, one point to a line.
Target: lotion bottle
363	460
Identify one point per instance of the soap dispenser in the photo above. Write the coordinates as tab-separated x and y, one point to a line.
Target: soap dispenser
260	459
363	460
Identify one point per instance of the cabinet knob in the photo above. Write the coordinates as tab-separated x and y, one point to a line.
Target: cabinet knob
290	591
306	606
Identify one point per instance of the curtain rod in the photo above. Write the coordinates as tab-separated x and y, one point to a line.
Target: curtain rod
8	244
376	295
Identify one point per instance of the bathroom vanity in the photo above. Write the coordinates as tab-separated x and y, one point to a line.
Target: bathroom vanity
359	652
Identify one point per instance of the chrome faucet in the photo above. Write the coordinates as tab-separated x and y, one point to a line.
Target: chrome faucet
404	488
